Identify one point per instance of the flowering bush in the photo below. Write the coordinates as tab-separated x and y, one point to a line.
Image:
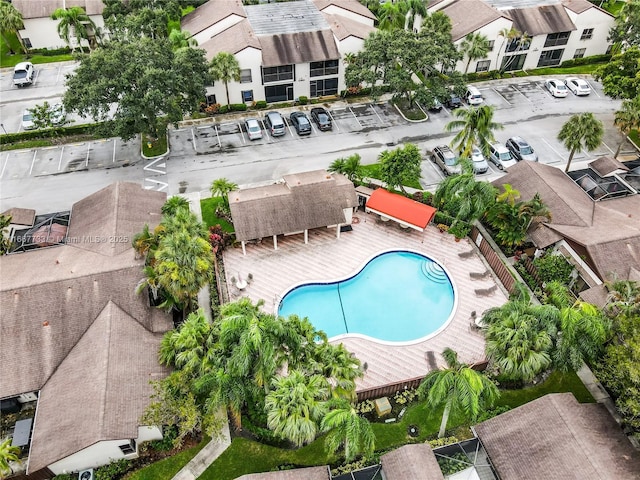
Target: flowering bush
404	396
367	406
212	109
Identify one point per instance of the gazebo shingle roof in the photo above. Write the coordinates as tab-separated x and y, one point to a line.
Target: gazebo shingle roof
311	473
414	462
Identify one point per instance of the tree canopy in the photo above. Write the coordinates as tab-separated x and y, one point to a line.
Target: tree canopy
627	27
620	76
400	166
142	79
583	131
10	22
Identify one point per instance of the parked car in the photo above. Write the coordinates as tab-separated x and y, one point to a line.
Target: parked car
58	115
23	74
454	101
521	150
301	123
27	120
480	164
556	88
254	132
435	106
275	124
500	156
446	160
473	96
577	86
322	118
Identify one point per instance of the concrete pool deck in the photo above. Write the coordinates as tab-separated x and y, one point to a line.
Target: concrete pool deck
327	258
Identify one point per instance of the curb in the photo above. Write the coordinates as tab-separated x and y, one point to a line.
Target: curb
157	156
409	120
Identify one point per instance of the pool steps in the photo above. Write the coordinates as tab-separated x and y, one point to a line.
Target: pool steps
434	272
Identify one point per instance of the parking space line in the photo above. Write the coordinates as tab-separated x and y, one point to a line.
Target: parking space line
284	119
113	158
6	160
60	159
242	134
58	75
33	161
264	127
554	150
593	89
86	163
517	90
607	146
354	116
333	120
544	89
501	96
379	118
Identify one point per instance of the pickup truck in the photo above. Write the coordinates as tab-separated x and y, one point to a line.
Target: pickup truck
23	74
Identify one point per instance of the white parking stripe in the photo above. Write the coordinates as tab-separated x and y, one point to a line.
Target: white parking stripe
354	116
333	120
241	133
193	140
607	146
113	158
6	160
86	162
264	127
500	95
33	161
218	136
554	150
517	90
288	126
593	89
379	118
60	159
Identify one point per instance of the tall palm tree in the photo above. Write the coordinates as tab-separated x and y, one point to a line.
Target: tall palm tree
392	16
510	194
348	430
224	389
623	298
463	197
225	67
460	388
476	127
474	46
581	131
414	8
8	453
221	187
340	367
181	39
507	34
187	348
73	19
350	167
10	22
521	41
295	406
627	119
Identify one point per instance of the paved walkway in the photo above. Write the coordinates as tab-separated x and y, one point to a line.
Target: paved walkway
206	456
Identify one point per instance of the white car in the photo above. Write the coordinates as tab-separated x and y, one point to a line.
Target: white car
556	88
578	86
58	115
27	120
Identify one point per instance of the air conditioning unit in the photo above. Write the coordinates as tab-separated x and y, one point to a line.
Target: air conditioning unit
86	474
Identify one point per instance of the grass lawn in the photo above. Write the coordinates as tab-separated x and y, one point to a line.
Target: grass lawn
8	60
635	137
168	467
414	113
153	147
208	206
577	69
373	171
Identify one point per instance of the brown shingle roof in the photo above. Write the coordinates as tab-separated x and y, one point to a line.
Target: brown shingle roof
343	27
604	166
233	40
211	13
542	20
463	23
350	5
99	391
44	8
312	473
21	216
300	47
579	6
415	462
556	437
595	295
306	200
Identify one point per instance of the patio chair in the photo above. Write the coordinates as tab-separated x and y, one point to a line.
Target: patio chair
483	292
467	254
479	275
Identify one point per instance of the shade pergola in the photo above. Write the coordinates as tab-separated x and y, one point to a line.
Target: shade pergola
403	210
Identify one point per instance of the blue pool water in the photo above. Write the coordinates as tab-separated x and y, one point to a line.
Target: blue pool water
398	296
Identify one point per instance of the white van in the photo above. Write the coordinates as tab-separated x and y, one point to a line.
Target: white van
500	156
275	124
473	96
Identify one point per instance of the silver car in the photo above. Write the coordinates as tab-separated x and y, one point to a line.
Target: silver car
27	120
480	164
254	132
521	150
446	160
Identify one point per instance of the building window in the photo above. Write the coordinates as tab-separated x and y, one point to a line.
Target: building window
491	45
245	76
609	49
518	44
587	34
128	448
247	96
277	74
550	58
27	43
321	69
579	52
483	66
320	88
555	39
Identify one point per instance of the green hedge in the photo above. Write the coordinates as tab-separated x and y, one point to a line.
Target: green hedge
260	104
238	107
50	52
47	133
586	60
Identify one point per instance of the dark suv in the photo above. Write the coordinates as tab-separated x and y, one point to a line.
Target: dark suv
301	123
454	101
446	160
322	118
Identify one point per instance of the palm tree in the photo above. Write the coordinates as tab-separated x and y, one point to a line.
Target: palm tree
224	389
348	430
340	367
460	388
627	119
187	348
392	16
623	298
414	8
73	18
474	46
476	128
10	22
5	241
463	197
8	453
221	187
523	40
581	131
174	204
226	68
295	406
181	39
510	194
350	167
509	34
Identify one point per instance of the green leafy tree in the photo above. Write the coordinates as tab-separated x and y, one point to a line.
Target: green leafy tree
508	35
583	131
623	298
295	406
47	116
141	18
463	197
400	166
459	388
350	167
8	453
225	67
627	119
74	22
181	39
475	46
221	187
5	241
348	430
10	22
160	82
620	76
476	126
627	27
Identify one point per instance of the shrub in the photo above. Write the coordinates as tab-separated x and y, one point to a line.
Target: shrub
169	434
453	463
113	471
212	109
442	217
238	107
494	74
366	406
302	100
586	60
50	52
441	442
260	104
46	133
472	76
553	267
223	109
460	229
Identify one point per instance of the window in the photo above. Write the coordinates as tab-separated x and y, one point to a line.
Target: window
579	52
550	58
555	39
483	66
27	43
609	49
518	44
277	74
491	45
247	96
128	448
320	88
587	34
245	76
320	69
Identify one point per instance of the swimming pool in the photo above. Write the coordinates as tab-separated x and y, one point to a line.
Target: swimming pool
398	296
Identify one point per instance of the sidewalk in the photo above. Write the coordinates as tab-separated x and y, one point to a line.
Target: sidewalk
205	457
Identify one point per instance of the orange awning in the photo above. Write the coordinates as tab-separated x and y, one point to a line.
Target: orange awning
400	209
